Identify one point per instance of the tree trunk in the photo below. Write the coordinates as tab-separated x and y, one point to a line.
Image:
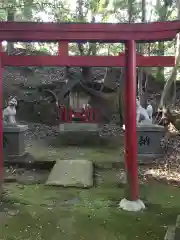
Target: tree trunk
170	81
160	71
10	17
177	44
162	8
172	78
141	70
130	11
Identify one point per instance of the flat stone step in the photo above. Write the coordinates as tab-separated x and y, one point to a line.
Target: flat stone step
177	229
72	173
173	232
170	233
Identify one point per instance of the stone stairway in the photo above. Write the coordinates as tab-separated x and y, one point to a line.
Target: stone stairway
173	232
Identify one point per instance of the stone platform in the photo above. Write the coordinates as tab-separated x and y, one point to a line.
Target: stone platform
78	127
79	133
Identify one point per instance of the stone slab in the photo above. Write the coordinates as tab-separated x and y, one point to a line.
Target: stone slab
77	127
71	173
14	128
150	128
149	157
177	229
170	233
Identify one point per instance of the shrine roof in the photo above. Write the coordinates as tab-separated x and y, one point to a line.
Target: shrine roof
82	32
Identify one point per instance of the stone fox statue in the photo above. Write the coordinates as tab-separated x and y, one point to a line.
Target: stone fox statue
149	110
9	113
143	115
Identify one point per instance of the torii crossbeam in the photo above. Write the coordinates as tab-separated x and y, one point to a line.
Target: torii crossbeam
111	33
85	61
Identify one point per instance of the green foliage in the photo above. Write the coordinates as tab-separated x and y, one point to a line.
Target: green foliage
44	49
3	14
27	9
104	4
160	76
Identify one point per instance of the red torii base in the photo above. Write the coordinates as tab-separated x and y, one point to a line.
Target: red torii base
70	32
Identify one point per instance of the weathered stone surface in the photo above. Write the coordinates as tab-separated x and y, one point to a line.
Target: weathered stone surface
72	173
170	233
32	177
79	133
177	229
79	127
149	141
14	140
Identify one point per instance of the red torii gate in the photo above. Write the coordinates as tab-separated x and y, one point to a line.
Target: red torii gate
85	61
110	33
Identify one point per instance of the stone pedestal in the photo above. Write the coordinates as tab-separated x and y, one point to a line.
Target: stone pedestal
78	127
79	133
149	141
14	140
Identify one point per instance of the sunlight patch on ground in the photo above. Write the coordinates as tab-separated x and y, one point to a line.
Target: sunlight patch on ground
163	174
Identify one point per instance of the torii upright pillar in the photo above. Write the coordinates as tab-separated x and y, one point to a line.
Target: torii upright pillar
132	201
1	122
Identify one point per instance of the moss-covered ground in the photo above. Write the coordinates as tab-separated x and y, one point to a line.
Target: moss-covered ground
50	213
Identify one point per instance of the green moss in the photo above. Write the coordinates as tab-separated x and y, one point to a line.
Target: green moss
45	214
99	155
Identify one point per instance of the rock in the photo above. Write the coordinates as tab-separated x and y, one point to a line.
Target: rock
72	173
13	212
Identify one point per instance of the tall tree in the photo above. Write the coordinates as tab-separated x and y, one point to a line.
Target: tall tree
173	76
164	11
141	70
11	11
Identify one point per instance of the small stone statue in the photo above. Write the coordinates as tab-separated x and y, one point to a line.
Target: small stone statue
149	110
9	113
143	115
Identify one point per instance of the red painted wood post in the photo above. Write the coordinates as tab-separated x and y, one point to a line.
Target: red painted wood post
65	112
63	49
130	121
70	113
1	121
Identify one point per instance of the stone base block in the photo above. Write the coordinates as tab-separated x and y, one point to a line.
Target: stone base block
149	141
72	173
14	140
131	206
79	133
78	127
